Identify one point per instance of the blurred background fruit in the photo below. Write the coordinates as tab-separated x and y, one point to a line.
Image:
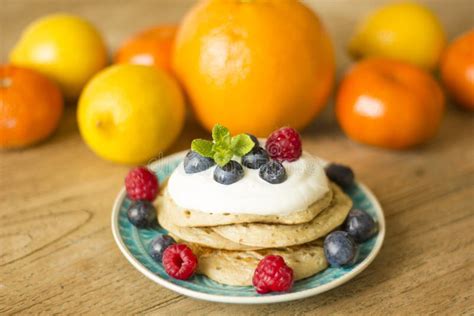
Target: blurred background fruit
130	113
406	31
457	70
65	48
254	67
151	47
30	107
389	103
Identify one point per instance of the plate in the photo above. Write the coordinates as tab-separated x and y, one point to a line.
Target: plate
133	243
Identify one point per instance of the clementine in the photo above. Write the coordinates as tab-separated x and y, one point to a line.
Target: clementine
30	107
254	66
389	103
151	47
457	70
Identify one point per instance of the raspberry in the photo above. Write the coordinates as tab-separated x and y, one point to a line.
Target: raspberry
272	275
141	184
284	144
179	261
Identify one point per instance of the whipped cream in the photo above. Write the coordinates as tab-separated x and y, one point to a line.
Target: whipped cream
306	183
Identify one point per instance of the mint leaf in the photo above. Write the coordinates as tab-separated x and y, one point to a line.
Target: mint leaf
241	144
220	135
222	156
203	147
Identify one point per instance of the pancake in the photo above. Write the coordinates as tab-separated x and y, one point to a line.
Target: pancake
258	236
278	235
192	218
203	236
237	267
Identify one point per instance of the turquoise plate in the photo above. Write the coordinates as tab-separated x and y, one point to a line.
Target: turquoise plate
133	243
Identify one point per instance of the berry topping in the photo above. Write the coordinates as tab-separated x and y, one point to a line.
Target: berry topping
194	162
360	225
273	172
284	144
231	172
255	140
159	245
340	249
255	158
179	261
141	184
142	214
272	275
340	174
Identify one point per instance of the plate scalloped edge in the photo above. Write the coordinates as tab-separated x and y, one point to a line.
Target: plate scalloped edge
264	299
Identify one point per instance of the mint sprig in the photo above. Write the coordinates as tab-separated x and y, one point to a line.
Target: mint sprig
223	146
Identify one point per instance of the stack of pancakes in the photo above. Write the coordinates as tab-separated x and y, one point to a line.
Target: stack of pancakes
230	246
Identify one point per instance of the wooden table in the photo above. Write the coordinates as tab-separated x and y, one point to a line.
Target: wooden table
57	254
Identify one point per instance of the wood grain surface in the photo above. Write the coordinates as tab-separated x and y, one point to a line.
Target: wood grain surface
57	254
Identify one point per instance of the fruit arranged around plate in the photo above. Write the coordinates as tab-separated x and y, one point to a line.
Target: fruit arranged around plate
265	221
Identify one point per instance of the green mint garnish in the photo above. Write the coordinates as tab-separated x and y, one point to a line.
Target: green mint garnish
241	144
203	147
223	146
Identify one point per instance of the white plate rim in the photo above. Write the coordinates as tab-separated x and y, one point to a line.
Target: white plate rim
245	299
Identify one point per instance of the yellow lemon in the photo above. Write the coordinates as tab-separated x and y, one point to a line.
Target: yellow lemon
404	31
66	48
130	113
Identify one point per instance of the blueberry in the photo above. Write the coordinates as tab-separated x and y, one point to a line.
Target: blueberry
255	140
255	158
158	246
342	175
360	225
273	172
229	173
142	214
340	249
194	162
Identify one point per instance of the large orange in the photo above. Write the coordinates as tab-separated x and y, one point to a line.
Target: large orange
151	47
389	103
457	70
254	66
30	107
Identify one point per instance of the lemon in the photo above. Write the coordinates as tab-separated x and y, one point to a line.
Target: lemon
406	31
65	48
130	113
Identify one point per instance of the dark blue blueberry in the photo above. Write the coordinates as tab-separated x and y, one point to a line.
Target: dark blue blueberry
142	214
342	175
360	225
255	140
273	172
229	173
158	246
340	249
256	158
194	162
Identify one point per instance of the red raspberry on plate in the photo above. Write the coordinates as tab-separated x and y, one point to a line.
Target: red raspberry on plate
179	261
284	144
272	275
141	184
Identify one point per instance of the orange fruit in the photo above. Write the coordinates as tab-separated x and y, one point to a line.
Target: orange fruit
254	66
151	47
389	103
457	70
30	107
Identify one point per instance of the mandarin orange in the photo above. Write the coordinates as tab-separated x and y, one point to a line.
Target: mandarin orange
30	107
389	103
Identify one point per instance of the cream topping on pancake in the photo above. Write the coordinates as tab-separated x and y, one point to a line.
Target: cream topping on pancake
306	183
